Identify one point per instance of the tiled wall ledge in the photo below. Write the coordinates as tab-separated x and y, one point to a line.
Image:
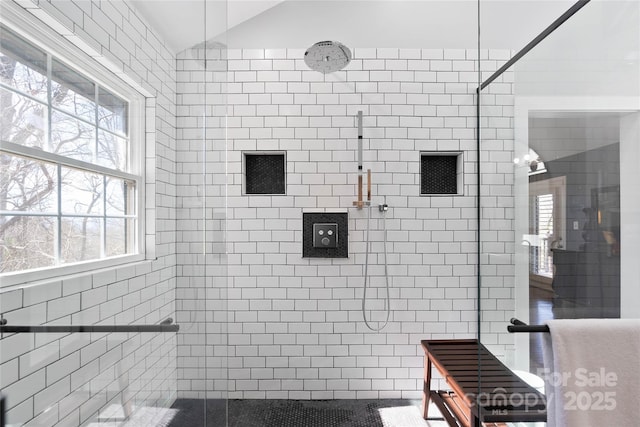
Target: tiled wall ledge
30	293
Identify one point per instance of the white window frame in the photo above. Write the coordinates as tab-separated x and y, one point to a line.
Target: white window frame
39	34
558	188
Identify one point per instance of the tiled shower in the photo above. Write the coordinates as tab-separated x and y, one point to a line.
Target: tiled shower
295	326
224	256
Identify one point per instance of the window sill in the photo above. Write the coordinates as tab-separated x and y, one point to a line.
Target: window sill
61	272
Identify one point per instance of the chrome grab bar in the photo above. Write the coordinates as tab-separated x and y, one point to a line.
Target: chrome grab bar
166	325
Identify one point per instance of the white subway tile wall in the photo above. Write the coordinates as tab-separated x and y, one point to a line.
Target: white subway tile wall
292	327
72	379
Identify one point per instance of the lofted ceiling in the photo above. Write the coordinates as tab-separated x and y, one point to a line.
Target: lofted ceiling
185	23
507	24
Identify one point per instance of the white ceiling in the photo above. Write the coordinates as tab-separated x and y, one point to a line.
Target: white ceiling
357	23
173	20
185	23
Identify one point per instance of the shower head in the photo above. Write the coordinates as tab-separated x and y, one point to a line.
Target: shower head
327	57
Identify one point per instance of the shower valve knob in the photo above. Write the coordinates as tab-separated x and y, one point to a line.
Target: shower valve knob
325	235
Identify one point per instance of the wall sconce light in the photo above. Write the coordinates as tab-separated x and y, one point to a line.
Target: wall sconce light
533	161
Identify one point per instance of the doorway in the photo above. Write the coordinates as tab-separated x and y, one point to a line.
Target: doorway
573	219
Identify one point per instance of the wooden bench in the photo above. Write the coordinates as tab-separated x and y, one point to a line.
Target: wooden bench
483	389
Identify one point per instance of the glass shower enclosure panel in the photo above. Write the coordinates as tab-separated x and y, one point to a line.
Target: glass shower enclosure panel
201	251
560	216
139	343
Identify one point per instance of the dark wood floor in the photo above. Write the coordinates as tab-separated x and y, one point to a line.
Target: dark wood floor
540	310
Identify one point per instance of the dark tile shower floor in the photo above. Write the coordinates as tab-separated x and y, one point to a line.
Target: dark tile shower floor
299	413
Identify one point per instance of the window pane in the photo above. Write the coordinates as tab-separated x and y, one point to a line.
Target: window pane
112	112
81	192
120	236
22	65
112	151
120	196
72	92
71	137
23	120
545	230
27	185
26	242
80	239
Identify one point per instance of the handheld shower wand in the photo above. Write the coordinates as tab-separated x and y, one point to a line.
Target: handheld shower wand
383	209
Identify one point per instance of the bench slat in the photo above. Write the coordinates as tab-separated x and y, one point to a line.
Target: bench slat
457	407
444	408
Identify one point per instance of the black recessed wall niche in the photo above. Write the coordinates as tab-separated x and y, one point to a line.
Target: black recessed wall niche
265	173
342	248
440	173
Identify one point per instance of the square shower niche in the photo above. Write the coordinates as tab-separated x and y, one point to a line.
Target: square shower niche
441	173
264	172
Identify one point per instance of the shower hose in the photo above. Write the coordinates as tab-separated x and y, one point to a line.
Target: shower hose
387	303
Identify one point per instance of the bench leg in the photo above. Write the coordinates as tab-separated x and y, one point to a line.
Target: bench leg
426	387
